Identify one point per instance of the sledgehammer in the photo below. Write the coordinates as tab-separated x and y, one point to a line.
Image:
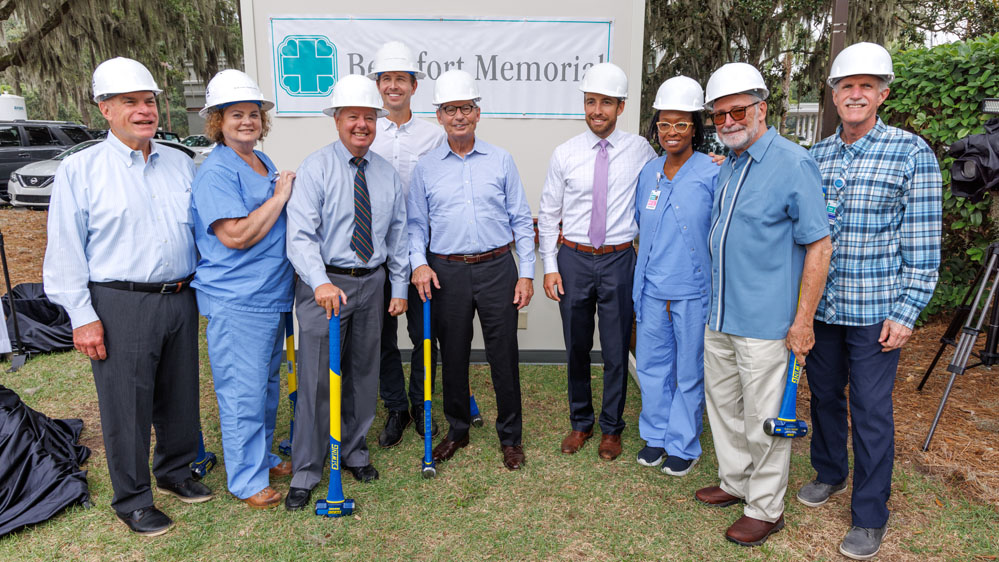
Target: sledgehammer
335	505
786	423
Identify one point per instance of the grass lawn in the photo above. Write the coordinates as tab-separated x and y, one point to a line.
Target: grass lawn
558	507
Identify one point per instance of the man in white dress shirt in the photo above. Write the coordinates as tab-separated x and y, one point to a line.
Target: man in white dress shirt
591	189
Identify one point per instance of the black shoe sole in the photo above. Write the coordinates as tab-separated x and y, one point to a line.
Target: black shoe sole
777	527
186	499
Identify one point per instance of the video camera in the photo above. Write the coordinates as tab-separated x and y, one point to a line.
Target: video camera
976	158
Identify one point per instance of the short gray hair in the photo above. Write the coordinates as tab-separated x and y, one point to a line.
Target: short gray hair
882	82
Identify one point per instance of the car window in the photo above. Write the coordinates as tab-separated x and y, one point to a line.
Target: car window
75	134
40	136
9	136
75	149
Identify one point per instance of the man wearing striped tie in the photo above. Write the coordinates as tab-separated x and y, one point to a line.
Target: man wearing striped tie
346	218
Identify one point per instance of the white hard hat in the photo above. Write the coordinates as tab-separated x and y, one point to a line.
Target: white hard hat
735	78
232	86
394	57
681	94
355	90
861	58
605	78
120	76
455	85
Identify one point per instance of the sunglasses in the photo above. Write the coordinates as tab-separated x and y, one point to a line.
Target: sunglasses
680	127
737	113
452	109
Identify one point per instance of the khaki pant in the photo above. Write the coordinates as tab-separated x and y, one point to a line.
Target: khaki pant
744	383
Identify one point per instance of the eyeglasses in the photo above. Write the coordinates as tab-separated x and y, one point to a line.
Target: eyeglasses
452	109
737	114
680	127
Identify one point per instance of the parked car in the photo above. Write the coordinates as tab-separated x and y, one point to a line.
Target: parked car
22	142
197	141
167	135
31	185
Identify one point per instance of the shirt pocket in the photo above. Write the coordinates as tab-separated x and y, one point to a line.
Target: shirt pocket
179	207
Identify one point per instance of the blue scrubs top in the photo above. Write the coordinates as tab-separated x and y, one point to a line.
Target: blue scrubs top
673	259
258	278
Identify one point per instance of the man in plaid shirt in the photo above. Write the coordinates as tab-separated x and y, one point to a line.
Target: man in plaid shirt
883	200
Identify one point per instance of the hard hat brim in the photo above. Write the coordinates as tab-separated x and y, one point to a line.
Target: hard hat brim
416	73
379	111
108	95
265	105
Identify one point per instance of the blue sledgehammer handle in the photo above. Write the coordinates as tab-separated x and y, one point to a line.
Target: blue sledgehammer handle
786	423
428	461
335	505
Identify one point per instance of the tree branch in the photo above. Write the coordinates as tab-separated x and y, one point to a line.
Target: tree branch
16	53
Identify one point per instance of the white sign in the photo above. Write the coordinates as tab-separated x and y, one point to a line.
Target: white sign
525	68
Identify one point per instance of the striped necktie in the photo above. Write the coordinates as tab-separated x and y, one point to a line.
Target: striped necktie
360	241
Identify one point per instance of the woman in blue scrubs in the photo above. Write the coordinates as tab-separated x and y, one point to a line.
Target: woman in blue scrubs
243	280
673	279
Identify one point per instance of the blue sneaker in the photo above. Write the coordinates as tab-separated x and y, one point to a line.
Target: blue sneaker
651	456
675	466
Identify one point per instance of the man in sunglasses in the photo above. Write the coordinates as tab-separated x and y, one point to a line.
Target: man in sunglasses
883	202
590	189
769	237
467	204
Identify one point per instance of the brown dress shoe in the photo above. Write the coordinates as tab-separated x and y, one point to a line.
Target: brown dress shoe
610	447
513	456
575	441
283	468
447	448
715	496
753	532
268	497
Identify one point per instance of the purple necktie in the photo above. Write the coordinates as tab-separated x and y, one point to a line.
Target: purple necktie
598	216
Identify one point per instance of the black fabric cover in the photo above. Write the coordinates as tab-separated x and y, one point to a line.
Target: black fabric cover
976	163
43	325
39	464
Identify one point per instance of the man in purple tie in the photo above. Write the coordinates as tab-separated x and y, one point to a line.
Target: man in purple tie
590	189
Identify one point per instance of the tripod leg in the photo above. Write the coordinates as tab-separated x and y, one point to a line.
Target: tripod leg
932	365
936	419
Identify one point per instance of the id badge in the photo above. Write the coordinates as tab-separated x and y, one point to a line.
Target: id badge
831	213
653	200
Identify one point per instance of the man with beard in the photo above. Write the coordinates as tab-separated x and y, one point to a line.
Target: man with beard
768	237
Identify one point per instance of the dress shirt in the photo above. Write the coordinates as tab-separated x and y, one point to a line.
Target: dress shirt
886	226
472	205
568	192
115	216
767	207
402	145
321	217
258	278
673	260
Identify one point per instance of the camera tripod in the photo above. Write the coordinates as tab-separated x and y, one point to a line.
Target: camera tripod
965	327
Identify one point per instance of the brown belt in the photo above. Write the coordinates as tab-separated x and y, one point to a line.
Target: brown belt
476	258
596	251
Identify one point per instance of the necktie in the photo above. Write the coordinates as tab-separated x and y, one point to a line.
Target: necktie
598	216
360	241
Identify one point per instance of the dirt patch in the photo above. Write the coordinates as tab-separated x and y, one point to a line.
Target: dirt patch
24	241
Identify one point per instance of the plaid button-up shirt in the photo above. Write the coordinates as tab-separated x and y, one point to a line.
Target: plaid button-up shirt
883	200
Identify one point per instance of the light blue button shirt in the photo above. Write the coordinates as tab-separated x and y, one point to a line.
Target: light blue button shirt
673	260
114	216
258	278
472	205
321	217
768	206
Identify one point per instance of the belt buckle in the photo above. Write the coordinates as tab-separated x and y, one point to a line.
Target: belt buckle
169	288
466	257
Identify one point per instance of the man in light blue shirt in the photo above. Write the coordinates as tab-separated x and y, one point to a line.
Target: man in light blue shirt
120	255
346	217
468	194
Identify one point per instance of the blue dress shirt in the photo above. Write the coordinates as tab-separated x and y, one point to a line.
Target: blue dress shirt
472	205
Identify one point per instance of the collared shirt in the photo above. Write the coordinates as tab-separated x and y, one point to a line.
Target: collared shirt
568	192
883	198
472	205
115	216
321	217
258	278
402	145
767	207
673	218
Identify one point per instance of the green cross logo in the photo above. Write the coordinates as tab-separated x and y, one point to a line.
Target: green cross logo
307	65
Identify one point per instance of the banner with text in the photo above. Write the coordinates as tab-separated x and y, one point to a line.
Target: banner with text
524	68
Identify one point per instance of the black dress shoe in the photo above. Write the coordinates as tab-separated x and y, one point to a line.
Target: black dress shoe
365	473
395	425
188	491
146	521
418	423
297	498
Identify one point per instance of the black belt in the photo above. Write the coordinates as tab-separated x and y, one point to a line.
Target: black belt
476	258
167	288
352	271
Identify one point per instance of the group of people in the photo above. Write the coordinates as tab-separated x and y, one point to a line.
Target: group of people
828	254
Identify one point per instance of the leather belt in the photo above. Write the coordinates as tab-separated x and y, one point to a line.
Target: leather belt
476	258
167	288
352	271
596	251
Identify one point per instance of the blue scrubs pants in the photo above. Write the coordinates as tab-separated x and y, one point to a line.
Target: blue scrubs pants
245	351
669	351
